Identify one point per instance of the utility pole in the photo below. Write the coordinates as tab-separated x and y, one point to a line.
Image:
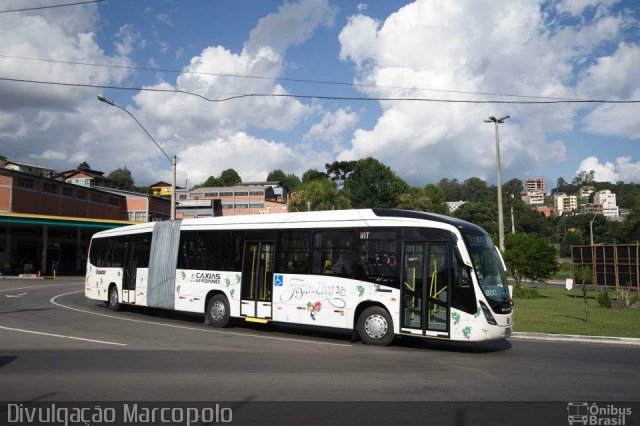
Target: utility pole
173	159
513	225
591	228
497	121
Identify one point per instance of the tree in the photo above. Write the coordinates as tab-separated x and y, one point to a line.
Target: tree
451	188
319	194
529	256
340	170
289	181
415	198
276	175
485	215
437	198
513	187
560	185
584	178
475	189
584	275
122	179
374	185
211	181
229	177
313	174
83	166
632	223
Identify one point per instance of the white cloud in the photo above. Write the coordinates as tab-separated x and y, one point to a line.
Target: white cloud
52	35
358	39
622	170
212	157
577	7
64	126
164	18
332	126
614	77
291	25
469	46
185	120
128	39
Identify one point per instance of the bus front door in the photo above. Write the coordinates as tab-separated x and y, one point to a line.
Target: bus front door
425	288
257	279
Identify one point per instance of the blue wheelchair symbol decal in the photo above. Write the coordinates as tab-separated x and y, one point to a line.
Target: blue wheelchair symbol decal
277	280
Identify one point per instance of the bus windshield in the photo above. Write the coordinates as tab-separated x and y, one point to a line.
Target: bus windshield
488	268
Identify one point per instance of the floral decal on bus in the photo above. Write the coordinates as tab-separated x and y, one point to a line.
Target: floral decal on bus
314	309
466	332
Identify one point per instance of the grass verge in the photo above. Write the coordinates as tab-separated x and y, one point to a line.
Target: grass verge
563	273
558	311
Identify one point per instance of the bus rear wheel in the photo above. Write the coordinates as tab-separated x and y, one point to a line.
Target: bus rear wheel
114	303
375	326
218	313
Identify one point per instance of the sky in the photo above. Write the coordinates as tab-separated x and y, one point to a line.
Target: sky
454	50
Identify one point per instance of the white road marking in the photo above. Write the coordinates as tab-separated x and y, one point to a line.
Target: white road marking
15	295
38	286
53	300
62	336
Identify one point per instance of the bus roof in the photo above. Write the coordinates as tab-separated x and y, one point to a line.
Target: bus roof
338	218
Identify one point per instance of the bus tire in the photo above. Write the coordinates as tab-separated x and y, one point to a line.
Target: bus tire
114	302
375	326
218	313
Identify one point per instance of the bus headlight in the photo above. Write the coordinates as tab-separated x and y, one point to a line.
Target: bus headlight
487	314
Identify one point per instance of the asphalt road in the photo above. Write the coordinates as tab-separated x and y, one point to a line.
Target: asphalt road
57	345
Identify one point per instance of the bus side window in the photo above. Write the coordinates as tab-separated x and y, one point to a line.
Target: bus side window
333	251
293	252
377	257
188	250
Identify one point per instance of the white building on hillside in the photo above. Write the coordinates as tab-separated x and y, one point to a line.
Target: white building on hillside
534	198
563	203
608	201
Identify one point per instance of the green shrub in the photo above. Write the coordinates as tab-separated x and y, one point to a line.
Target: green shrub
624	295
522	292
603	299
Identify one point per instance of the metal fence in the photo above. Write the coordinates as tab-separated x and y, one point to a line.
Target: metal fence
612	265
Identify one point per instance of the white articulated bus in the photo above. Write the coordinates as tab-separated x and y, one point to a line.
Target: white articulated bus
381	272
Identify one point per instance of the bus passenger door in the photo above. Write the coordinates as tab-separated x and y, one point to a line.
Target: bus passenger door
425	288
129	271
257	279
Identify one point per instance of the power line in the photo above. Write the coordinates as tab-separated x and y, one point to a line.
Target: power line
294	80
307	96
51	6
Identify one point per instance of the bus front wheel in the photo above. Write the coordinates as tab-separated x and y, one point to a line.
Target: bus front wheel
375	326
114	303
218	314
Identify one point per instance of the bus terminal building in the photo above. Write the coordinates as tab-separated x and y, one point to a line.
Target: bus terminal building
46	224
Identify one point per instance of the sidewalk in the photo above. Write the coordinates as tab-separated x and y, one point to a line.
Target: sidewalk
607	340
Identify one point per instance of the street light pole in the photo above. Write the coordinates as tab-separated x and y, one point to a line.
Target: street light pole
172	160
497	121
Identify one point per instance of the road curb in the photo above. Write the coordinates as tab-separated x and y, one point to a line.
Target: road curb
547	337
